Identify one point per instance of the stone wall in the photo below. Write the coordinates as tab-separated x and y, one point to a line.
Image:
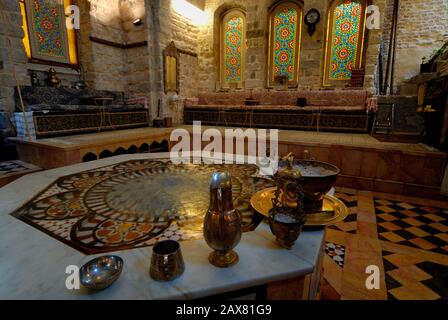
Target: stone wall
139	71
104	64
12	59
422	29
165	24
312	51
136	66
12	54
407	119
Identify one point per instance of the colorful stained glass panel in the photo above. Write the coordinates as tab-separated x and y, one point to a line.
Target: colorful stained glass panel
345	40
285	42
47	30
233	49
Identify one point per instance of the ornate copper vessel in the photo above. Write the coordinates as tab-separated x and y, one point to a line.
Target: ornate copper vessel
222	225
53	80
287	216
317	179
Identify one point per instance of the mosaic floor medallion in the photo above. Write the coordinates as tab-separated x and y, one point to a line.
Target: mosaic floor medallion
135	204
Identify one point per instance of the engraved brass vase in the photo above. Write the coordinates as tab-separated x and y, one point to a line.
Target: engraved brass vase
287	216
222	225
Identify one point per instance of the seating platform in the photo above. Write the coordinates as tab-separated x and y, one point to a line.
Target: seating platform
365	162
63	151
322	110
54	112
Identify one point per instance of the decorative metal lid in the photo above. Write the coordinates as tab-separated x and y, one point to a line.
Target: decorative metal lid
289	172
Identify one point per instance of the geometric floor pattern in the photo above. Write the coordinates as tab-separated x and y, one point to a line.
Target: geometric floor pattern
336	252
408	224
9	167
407	278
12	170
405	237
123	206
12	167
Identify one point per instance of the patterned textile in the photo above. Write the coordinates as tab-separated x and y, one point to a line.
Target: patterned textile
20	123
60	124
55	124
422	227
136	204
233	47
294	119
345	40
64	96
143	101
47	30
285	42
346	98
188	102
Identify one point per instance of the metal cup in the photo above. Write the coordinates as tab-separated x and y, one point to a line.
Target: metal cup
167	262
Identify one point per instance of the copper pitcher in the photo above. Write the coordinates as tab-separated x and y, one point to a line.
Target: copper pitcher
222	225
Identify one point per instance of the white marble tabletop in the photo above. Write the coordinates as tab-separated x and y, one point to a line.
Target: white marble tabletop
33	264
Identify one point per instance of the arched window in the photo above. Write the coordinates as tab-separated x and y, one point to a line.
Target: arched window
285	32
345	40
233	48
47	39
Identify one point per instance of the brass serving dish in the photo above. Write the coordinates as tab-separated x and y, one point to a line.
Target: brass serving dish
100	273
334	210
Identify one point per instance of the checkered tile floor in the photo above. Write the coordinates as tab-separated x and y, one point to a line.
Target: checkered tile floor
426	280
335	252
349	224
409	238
412	225
9	167
12	170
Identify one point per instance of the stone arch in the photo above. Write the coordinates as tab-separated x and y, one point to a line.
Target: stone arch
218	14
132	149
89	157
155	147
273	10
361	46
106	154
144	148
120	151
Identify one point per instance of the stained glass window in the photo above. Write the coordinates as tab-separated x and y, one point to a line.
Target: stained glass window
46	35
233	30
345	39
285	32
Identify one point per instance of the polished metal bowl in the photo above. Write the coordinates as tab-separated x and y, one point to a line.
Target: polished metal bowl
317	179
100	273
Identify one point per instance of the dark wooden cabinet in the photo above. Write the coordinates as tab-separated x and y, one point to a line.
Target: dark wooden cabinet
436	122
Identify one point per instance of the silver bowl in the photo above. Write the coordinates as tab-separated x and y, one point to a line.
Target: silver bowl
100	273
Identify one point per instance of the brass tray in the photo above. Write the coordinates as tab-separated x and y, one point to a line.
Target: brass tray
262	203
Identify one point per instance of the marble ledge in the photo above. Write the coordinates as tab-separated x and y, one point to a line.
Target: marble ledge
33	264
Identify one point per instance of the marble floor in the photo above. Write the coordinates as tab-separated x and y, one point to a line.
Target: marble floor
407	238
